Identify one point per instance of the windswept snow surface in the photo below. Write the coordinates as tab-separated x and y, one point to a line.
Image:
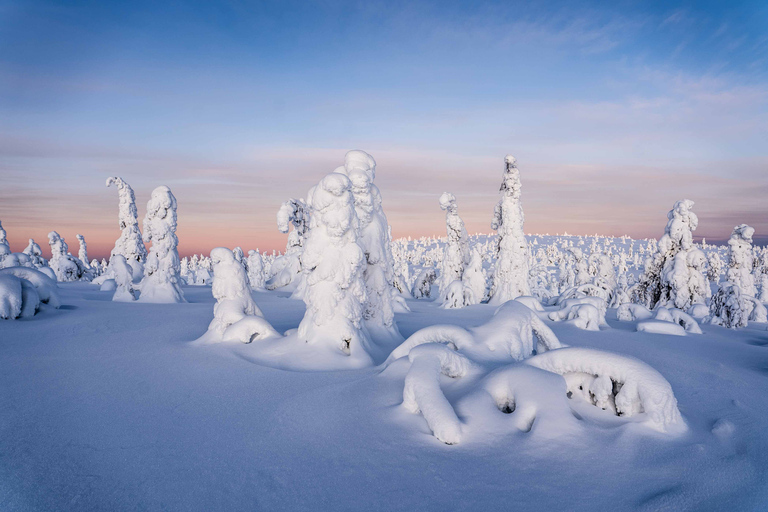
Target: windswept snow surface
109	406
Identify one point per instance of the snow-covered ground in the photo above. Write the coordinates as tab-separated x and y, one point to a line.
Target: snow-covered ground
112	406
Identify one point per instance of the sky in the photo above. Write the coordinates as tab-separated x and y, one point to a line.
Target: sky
614	111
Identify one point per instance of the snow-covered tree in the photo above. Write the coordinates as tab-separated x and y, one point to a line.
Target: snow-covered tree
287	268
715	267
456	252
66	267
741	260
728	308
82	254
235	315
334	264
673	274
373	238
130	243
474	280
122	273
5	248
510	277
35	254
255	266
162	281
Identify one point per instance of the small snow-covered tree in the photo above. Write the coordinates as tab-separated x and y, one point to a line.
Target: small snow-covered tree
728	308
162	281
66	267
255	267
234	304
123	276
82	254
474	279
456	252
373	238
741	259
35	254
510	278
130	243
673	274
715	267
334	265
287	268
5	248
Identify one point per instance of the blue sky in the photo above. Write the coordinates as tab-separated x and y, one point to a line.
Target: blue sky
613	109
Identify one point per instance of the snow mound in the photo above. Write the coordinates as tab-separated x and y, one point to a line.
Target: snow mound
513	332
10	296
422	392
660	327
519	398
46	287
635	389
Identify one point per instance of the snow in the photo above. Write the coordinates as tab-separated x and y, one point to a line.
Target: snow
10	297
109	405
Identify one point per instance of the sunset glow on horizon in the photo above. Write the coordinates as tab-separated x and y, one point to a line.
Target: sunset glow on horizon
613	114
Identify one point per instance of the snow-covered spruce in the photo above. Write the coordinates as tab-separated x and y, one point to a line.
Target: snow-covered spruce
287	268
422	287
5	248
35	254
474	280
334	263
235	316
624	385
66	267
162	281
82	254
130	244
728	308
422	393
456	249
741	260
510	277
373	238
673	274
255	266
10	297
122	275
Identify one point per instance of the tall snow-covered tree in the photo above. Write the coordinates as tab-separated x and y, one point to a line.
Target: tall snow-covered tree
162	279
82	254
373	238
673	273
510	277
741	260
130	243
456	252
334	263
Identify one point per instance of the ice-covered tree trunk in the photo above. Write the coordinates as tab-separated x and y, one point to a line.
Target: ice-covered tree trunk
162	280
741	260
82	254
456	252
373	238
130	244
334	263
673	274
510	277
